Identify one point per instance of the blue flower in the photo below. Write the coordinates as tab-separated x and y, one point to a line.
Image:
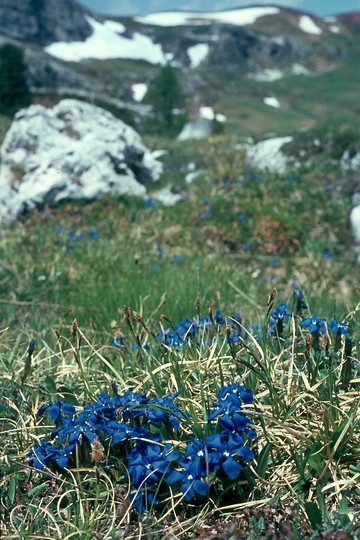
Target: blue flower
163	409
313	324
143	500
278	316
148	463
228	409
341	327
45	453
55	410
222	450
300	302
190	479
280	312
118	341
242	393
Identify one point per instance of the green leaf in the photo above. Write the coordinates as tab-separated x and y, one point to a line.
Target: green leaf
343	506
263	460
313	513
12	489
50	385
36	490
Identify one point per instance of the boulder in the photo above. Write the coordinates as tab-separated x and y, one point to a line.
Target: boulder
198	129
268	155
72	151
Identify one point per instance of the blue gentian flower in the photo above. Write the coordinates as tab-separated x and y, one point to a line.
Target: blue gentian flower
147	465
243	393
45	453
190	479
278	316
280	312
336	326
313	324
55	410
143	500
300	302
223	448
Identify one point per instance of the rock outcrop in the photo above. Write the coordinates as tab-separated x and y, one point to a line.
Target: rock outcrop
72	151
43	21
268	155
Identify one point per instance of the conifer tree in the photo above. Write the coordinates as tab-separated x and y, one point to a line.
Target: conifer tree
167	99
14	90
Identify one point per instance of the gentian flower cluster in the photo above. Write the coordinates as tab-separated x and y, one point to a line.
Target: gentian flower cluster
133	427
201	330
222	452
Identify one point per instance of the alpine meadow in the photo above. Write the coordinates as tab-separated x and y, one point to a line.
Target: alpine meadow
179	274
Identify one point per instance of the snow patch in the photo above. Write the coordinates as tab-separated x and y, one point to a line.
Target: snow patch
267	154
334	29
197	54
298	69
272	102
306	24
238	17
167	197
139	90
117	27
209	114
267	75
105	42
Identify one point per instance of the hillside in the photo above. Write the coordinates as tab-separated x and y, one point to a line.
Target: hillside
285	71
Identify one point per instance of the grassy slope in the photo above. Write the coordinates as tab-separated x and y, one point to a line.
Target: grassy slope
289	222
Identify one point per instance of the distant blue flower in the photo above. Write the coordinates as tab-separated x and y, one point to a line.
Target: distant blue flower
313	324
176	259
336	326
31	347
327	254
152	204
145	347
278	316
208	213
117	341
280	312
75	237
241	217
94	235
300	302
247	246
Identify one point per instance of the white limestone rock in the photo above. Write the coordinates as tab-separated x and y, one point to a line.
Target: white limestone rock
350	161
72	151
268	155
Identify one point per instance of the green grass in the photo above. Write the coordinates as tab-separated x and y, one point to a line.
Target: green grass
177	262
